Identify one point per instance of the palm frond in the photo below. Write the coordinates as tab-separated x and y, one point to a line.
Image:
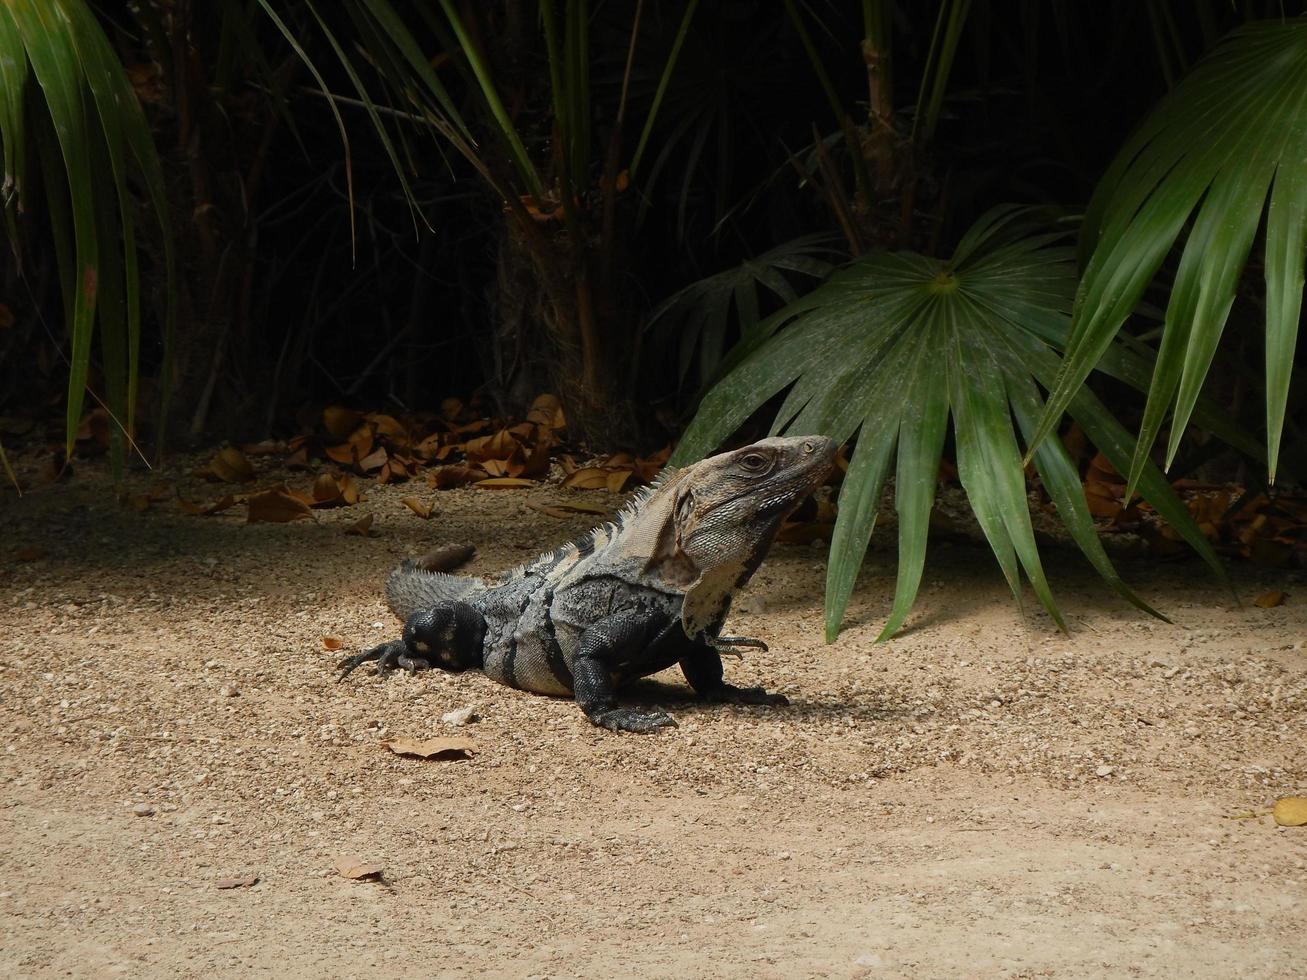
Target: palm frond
1228	135
701	312
100	142
891	346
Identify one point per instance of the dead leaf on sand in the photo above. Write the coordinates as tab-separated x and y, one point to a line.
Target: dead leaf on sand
204	510
355	868
246	882
277	506
362	527
423	508
431	748
332	643
1268	600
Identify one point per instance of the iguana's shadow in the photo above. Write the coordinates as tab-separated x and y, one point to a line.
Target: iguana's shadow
877	704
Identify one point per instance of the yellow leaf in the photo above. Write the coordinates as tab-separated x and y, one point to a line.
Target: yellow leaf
1268	599
1290	811
504	482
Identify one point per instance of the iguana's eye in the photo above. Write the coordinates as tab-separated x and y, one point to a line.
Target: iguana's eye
754	462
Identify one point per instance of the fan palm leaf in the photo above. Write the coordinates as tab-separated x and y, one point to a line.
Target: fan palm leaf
891	347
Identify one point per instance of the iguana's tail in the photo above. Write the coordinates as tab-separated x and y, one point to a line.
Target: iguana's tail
411	588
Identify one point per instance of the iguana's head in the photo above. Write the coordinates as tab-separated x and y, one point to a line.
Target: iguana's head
710	524
729	506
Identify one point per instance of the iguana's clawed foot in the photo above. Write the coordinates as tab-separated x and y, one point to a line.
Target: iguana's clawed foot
389	656
730	694
630	720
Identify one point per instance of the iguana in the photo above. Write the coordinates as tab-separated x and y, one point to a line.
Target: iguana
630	598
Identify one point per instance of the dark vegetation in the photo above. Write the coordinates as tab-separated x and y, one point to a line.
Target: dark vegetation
859	218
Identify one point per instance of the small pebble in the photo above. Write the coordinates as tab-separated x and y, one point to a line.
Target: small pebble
229	690
1102	772
143	810
459	717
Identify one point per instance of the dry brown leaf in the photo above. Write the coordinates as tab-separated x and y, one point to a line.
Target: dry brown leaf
268	447
584	507
1290	811
245	882
361	527
277	506
1269	599
555	512
388	426
6	317
499	467
616	481
29	553
327	492
454	475
355	868
431	748
500	445
204	510
230	466
587	478
504	483
332	643
343	454
446	557
423	508
340	421
374	460
349	489
299	459
547	410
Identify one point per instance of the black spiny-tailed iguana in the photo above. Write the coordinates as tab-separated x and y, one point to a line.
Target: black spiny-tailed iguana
631	598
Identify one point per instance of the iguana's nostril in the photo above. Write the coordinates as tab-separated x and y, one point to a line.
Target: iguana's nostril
809	447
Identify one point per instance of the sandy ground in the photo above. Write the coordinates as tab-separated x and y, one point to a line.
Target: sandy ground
982	797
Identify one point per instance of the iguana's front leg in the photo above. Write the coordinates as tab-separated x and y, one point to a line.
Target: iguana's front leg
703	669
450	635
613	647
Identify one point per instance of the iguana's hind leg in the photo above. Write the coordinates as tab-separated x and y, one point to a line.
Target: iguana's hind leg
703	669
448	635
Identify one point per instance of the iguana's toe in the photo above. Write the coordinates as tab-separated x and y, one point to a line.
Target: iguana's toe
630	720
412	664
387	655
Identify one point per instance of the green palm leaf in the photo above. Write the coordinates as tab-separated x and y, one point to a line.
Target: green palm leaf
701	312
91	138
891	346
1230	134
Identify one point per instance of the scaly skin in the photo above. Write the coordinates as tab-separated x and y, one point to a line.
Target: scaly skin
629	599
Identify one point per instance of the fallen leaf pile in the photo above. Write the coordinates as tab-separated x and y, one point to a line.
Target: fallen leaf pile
1269	529
452	448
